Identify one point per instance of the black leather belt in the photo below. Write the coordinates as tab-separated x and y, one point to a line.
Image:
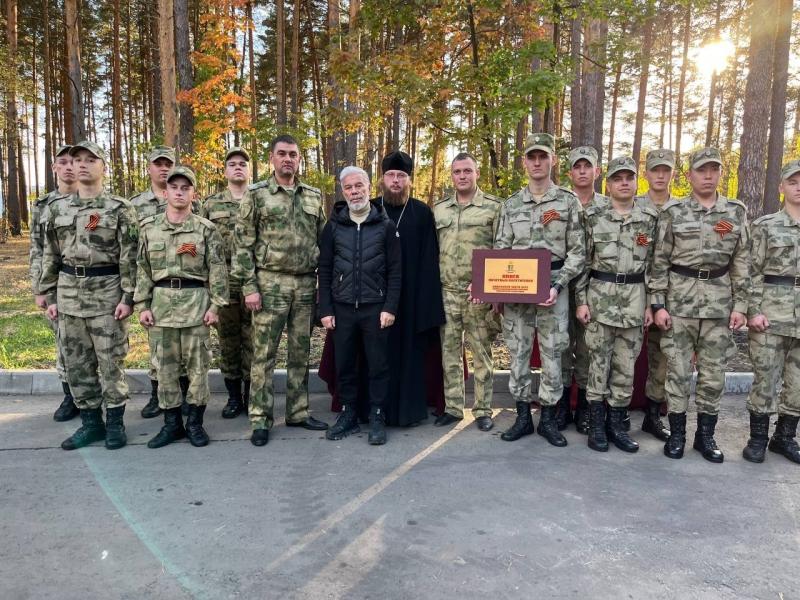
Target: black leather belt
177	283
81	271
618	278
701	274
783	280
556	265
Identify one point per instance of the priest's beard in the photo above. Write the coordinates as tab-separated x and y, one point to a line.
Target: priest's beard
396	198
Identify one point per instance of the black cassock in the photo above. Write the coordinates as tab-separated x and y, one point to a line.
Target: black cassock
414	337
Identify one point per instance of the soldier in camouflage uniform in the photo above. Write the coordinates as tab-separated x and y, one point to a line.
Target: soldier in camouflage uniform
88	275
584	169
235	337
40	211
541	215
774	324
181	284
699	289
612	301
660	168
466	220
277	247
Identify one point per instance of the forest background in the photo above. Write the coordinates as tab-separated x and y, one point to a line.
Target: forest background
355	79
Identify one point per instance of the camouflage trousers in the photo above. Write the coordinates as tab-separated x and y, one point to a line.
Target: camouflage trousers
287	301
94	349
575	360
774	356
480	326
179	350
152	363
656	366
235	338
613	352
62	374
520	323
711	342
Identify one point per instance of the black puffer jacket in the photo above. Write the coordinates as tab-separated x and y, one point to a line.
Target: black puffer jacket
359	264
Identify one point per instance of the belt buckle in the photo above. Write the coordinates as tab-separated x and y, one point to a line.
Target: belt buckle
797	281
703	274
172	281
621	278
80	271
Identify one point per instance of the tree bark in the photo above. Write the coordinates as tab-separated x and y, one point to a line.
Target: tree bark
116	105
13	195
712	92
575	88
644	75
253	95
77	131
35	108
486	134
353	47
49	179
294	101
280	61
22	185
183	62
596	37
687	33
166	50
157	104
614	106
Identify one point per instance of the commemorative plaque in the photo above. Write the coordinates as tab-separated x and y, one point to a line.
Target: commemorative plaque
521	276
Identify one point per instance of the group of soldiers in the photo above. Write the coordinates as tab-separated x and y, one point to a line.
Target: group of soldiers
685	272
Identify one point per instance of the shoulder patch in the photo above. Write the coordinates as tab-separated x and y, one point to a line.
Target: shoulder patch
568	191
447	197
311	188
258	185
492	197
149	220
738	203
765	219
205	222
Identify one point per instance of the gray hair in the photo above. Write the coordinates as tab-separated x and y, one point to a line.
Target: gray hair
351	170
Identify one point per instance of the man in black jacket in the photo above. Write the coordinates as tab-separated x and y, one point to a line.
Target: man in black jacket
359	294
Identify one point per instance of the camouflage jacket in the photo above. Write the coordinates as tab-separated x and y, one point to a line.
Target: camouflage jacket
189	250
776	251
278	229
617	244
90	232
644	200
553	223
147	204
222	209
691	236
40	212
597	200
460	230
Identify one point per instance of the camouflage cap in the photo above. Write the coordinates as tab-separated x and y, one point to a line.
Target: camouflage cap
704	156
540	141
237	150
157	152
661	156
586	153
790	168
621	163
182	171
92	147
62	150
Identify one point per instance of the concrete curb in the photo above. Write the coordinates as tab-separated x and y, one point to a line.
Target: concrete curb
41	382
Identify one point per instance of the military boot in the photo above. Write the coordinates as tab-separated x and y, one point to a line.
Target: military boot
673	448
346	424
151	409
234	406
183	382
759	436
377	427
783	441
91	430
652	421
704	438
548	428
582	413
597	427
246	395
172	431
67	409
194	426
115	428
563	412
522	426
626	420
617	434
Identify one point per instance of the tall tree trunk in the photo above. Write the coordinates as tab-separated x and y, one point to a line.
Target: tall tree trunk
280	61
337	140
644	75
519	143
253	96
116	105
183	62
49	179
687	33
596	38
157	104
353	46
35	108
575	87
614	106
712	92
13	196
77	131
23	185
166	50
294	102
486	134
755	119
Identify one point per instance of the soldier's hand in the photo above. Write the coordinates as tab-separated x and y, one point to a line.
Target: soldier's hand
648	317
210	318
737	321
52	312
552	299
758	323
41	301
329	323
470	298
253	301
146	318
662	319
497	307
123	311
583	314
387	320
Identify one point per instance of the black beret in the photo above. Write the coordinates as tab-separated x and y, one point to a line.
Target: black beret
397	161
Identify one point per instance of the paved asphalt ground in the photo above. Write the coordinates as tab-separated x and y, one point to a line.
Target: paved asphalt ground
433	514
